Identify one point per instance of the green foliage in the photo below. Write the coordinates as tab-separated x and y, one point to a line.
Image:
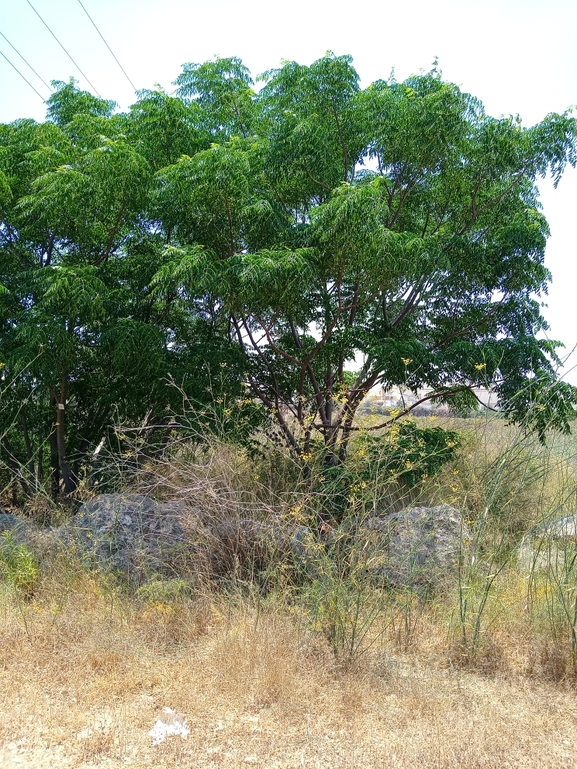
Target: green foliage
410	453
224	226
542	404
397	461
67	101
222	89
17	565
164	129
164	590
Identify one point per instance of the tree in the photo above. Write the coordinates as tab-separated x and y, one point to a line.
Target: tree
399	223
253	247
84	344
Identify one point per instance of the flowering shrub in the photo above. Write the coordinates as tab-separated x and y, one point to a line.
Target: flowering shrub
410	453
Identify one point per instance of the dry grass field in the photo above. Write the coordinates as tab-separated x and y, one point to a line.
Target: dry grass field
482	675
84	673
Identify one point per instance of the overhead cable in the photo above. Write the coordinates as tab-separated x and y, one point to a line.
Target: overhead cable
25	62
106	44
63	48
22	76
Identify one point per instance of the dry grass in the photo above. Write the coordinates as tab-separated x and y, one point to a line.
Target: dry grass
85	671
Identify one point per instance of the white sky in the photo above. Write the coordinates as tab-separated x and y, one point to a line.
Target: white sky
517	56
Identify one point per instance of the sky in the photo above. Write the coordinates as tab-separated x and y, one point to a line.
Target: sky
519	57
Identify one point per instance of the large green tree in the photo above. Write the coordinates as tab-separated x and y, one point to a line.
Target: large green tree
84	344
399	223
255	246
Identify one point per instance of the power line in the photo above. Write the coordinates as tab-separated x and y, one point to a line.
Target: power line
63	48
106	44
25	62
22	76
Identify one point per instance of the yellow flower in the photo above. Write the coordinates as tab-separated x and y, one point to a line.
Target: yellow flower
480	366
296	510
406	361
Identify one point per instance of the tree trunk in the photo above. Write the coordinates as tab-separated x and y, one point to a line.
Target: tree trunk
29	454
70	482
54	466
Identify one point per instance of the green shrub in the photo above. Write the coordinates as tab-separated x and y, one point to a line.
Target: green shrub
409	453
18	565
164	590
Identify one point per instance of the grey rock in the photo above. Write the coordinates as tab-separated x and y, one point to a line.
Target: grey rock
551	545
135	535
143	539
39	541
20	528
419	547
562	529
9	522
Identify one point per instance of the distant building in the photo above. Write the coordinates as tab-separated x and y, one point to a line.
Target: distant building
400	398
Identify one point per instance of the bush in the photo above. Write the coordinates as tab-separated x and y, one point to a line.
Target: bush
410	454
18	565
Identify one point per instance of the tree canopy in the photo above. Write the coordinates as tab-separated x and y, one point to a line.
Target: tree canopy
253	245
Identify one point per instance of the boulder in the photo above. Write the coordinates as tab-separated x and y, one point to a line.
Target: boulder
22	530
549	545
418	547
137	536
15	524
143	539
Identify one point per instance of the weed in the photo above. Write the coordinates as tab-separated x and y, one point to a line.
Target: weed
18	565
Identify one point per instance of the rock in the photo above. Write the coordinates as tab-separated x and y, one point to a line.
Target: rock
419	547
20	528
548	545
136	535
563	529
148	541
9	522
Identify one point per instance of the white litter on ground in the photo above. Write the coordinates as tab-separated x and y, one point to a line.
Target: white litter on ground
169	723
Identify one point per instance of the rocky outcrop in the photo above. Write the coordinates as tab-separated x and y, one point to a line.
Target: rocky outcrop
19	527
419	547
143	539
140	539
137	536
